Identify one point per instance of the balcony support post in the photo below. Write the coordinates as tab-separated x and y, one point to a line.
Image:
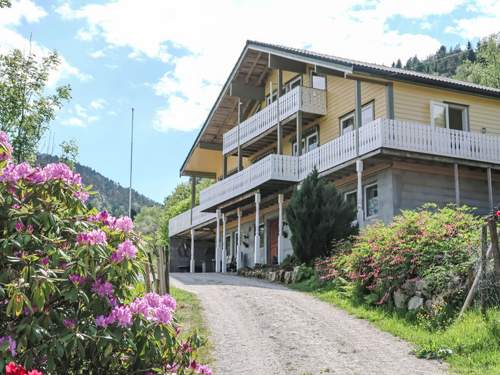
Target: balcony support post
279	134
299	133
357	117
224	166
490	188
191	263
280	227
223	255
238	240
256	249
389	91
359	193
193	198
240	164
217	242
457	184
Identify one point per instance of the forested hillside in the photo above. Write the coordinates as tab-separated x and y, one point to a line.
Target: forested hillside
110	195
478	64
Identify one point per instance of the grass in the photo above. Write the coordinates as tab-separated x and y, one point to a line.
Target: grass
189	314
474	342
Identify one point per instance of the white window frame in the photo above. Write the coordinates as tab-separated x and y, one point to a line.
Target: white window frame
271	98
368	106
288	86
365	200
305	143
311	78
446	107
351	192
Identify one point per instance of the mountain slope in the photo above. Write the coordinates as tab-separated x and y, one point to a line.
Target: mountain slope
110	195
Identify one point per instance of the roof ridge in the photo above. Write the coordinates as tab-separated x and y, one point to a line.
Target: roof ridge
376	66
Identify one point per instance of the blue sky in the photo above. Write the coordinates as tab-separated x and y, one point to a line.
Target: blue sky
168	59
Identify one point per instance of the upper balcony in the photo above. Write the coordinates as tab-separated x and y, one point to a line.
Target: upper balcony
312	102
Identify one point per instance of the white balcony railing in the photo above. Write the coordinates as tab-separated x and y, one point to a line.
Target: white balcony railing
182	222
272	167
300	98
381	133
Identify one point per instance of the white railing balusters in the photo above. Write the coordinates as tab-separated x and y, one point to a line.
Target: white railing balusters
381	133
300	98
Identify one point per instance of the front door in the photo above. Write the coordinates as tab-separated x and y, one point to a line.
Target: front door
272	242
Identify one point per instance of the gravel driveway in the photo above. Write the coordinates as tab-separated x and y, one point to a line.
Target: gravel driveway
260	328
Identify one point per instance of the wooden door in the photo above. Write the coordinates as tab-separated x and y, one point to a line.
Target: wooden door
272	243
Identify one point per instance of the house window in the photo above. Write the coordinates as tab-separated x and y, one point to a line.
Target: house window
449	116
271	99
347	121
351	197
318	81
371	200
261	235
293	83
309	143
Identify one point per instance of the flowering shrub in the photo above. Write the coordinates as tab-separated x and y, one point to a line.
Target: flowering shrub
435	245
67	284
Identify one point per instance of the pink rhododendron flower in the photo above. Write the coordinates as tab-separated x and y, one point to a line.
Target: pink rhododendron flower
76	279
102	288
125	250
69	323
94	237
44	261
12	344
124	223
122	316
19	226
29	229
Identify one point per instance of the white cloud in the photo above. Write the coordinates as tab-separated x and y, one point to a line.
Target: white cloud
74	121
485	23
28	11
99	54
213	34
98	104
83	116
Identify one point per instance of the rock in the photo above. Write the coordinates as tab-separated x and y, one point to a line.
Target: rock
420	285
295	273
281	276
415	303
400	299
273	276
409	287
288	277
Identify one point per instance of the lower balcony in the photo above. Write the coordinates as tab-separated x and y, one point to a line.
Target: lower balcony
275	171
182	222
272	170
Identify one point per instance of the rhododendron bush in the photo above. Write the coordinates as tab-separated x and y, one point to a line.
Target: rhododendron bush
68	276
435	245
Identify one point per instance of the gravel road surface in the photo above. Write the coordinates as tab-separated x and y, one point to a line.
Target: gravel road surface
262	328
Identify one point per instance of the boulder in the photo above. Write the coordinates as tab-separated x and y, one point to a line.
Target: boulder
400	299
281	275
415	303
295	273
288	277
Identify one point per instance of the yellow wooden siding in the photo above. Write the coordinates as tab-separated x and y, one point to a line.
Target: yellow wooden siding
412	103
340	101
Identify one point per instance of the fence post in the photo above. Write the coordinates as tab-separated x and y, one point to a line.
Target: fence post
484	248
492	224
167	269
161	273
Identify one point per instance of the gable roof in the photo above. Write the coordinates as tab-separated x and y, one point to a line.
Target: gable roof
343	65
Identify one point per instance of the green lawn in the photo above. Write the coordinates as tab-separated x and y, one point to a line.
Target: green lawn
474	342
190	315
